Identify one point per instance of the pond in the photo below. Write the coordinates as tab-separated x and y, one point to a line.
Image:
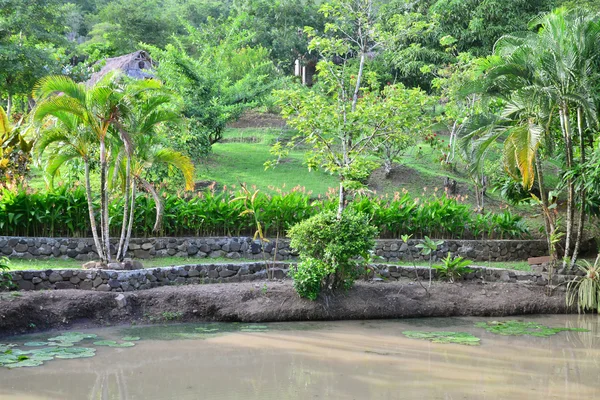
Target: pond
313	360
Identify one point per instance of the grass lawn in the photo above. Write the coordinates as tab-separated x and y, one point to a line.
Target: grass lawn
241	160
42	265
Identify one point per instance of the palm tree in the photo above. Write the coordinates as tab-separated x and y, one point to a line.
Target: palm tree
541	76
69	139
96	109
142	149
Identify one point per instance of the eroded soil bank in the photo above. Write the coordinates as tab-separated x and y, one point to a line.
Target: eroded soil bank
267	302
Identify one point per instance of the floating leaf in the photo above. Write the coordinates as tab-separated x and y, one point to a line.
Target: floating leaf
254	328
5	347
25	363
519	328
131	338
112	343
72	337
36	344
208	330
445	337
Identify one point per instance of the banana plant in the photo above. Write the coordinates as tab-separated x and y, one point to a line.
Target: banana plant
13	139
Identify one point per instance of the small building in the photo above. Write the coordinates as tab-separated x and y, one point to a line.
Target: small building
137	65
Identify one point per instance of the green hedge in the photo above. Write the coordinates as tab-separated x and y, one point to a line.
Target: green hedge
63	212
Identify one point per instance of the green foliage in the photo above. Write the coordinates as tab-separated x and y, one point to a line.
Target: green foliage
5	277
308	277
429	245
418	32
30	33
519	328
452	268
218	73
585	291
445	337
112	343
329	247
53	348
63	212
15	149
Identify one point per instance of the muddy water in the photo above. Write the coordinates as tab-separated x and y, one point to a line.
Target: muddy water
339	360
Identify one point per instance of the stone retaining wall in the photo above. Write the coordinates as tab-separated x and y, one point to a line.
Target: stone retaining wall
83	249
125	281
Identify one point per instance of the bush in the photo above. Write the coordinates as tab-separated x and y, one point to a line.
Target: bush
63	212
5	278
585	291
329	250
453	268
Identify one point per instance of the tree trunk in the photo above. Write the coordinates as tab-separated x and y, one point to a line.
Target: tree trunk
341	200
387	166
548	224
565	125
582	193
131	218
104	221
9	105
120	250
88	195
157	202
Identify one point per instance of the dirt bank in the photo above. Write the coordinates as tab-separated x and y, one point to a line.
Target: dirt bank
268	301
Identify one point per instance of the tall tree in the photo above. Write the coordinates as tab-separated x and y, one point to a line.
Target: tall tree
98	109
545	76
30	33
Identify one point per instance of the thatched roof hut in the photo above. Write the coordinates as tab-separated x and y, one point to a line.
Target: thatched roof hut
137	65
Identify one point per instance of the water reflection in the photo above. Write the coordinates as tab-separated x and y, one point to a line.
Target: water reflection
345	360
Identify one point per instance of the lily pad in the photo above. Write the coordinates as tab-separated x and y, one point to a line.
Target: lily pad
6	346
208	330
254	328
30	362
445	337
519	328
73	337
36	344
112	343
77	352
131	338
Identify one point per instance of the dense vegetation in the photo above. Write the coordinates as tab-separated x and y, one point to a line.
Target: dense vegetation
64	213
502	92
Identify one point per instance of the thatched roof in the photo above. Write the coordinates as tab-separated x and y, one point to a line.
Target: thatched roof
136	65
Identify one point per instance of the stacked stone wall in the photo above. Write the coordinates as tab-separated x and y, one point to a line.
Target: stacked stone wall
83	249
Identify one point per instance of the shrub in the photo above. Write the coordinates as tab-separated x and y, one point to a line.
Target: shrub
585	291
329	250
5	278
452	268
64	212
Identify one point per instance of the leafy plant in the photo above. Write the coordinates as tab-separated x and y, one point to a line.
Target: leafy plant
35	353
428	248
63	211
445	337
308	277
585	291
329	248
250	202
519	328
453	268
405	239
5	277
